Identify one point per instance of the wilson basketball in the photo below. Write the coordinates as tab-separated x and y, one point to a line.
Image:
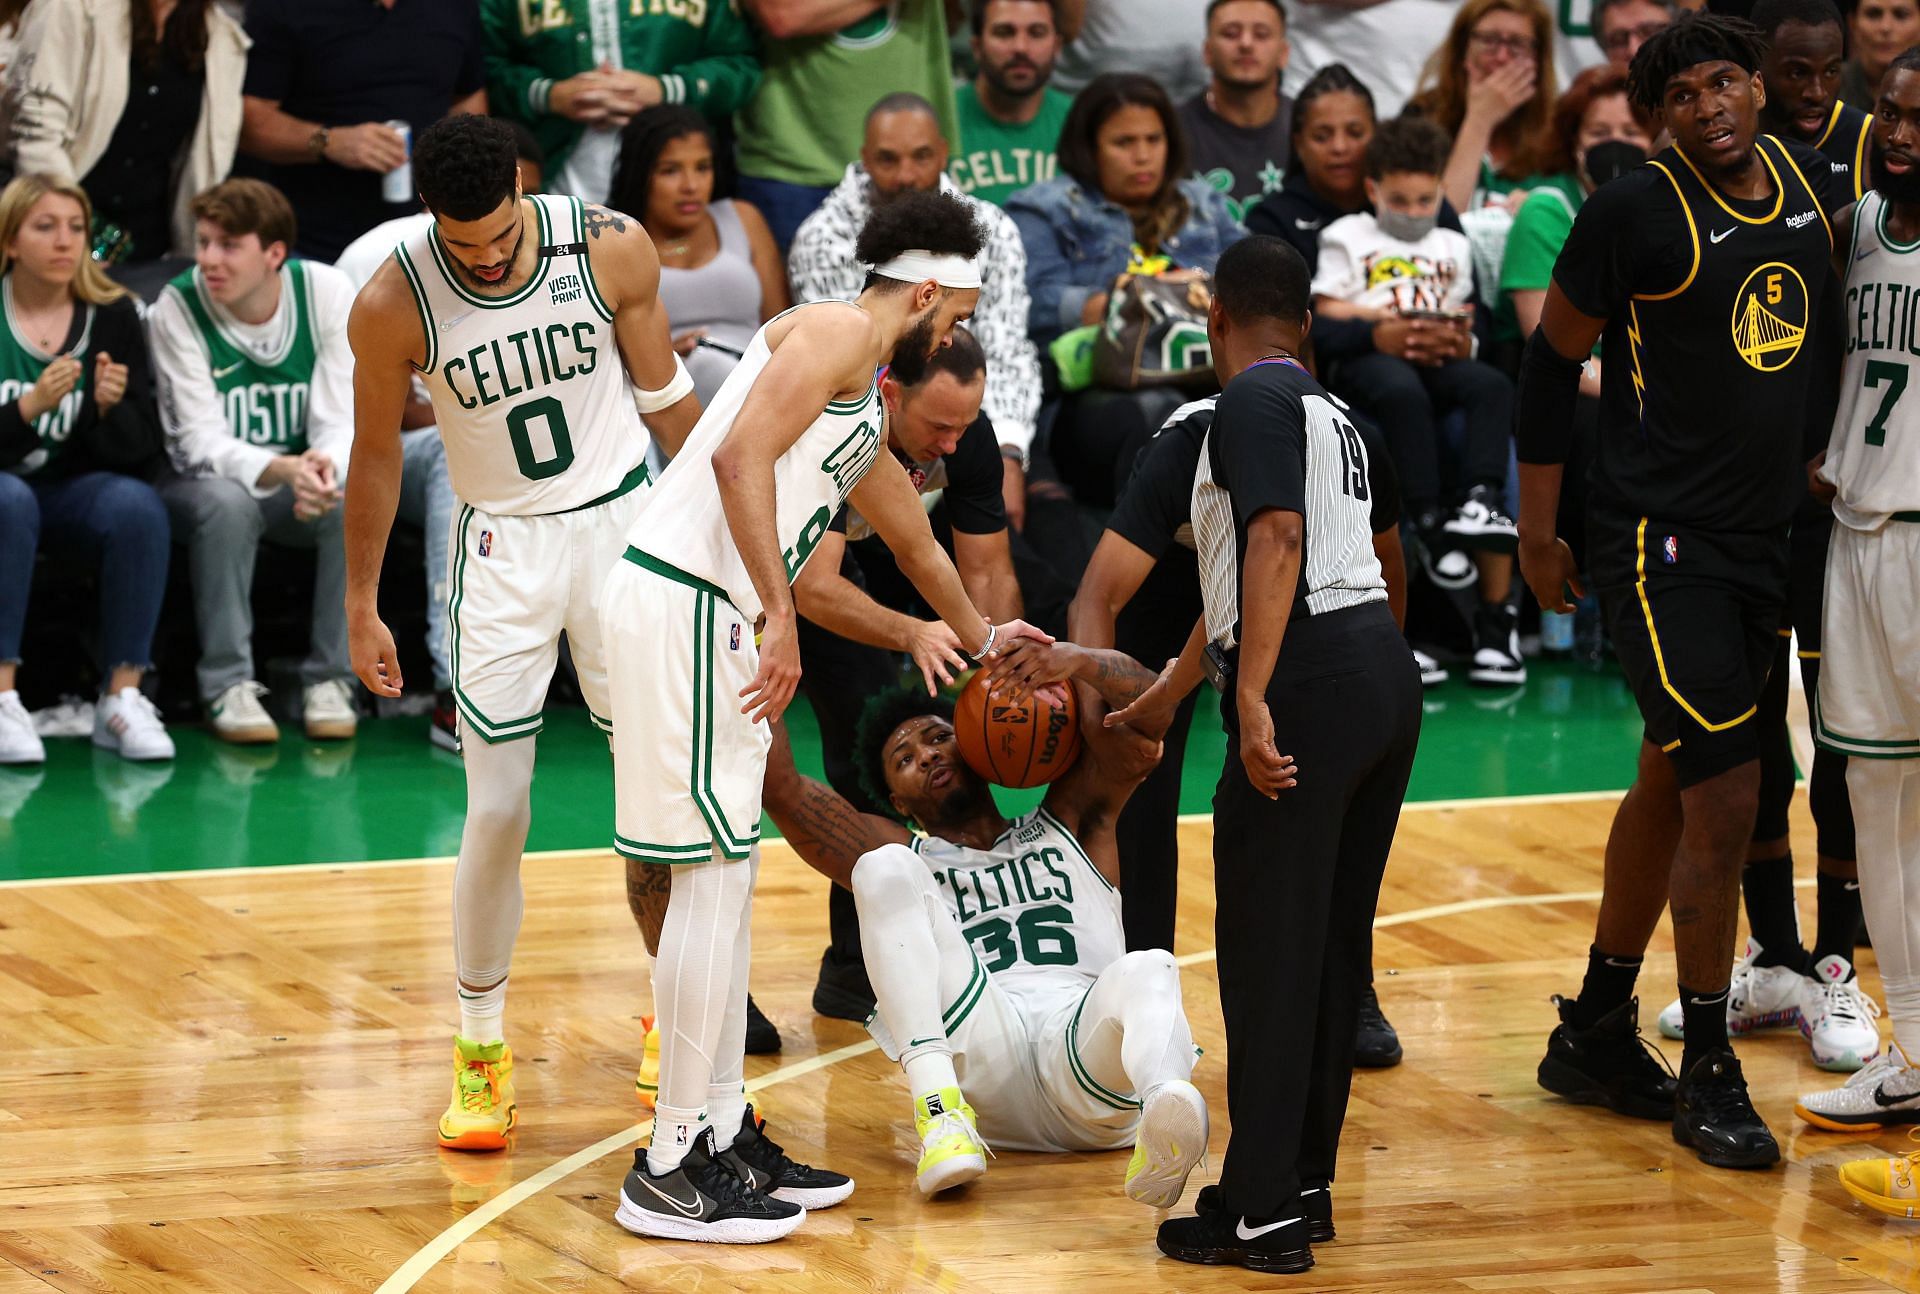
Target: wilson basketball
1025	743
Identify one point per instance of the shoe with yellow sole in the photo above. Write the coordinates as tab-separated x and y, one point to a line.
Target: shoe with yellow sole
646	1084
951	1151
1886	1186
482	1111
1170	1144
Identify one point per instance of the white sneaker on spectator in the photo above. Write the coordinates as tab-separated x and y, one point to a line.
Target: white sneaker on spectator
19	743
1758	997
1432	672
1480	522
126	723
1836	1016
327	710
236	715
1451	569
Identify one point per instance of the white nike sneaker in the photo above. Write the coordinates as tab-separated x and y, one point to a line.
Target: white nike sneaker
1171	1142
327	710
236	715
1432	672
1886	1091
1836	1016
129	725
1758	997
19	743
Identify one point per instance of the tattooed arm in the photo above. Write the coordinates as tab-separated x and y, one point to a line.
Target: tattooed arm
826	831
626	275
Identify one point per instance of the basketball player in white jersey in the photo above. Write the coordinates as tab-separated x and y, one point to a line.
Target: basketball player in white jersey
794	434
535	324
995	946
1868	704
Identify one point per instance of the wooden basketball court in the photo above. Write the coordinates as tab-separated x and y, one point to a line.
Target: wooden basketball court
228	1082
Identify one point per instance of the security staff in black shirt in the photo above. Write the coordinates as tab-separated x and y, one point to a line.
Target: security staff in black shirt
1704	271
1298	637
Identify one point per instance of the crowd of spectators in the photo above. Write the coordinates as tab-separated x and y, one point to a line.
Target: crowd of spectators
201	186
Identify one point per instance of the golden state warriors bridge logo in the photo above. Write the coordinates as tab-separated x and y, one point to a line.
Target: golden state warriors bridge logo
1770	316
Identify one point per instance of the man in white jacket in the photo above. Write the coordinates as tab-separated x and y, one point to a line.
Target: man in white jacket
256	396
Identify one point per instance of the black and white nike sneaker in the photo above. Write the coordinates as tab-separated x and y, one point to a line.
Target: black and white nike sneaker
758	1160
1316	1205
702	1199
1481	522
1497	661
1220	1238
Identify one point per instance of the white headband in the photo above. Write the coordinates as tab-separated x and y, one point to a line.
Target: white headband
918	266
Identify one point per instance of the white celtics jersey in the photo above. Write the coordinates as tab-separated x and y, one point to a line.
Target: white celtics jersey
1040	916
684	524
1873	457
532	397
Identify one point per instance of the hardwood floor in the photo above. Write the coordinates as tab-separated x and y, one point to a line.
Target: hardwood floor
229	1082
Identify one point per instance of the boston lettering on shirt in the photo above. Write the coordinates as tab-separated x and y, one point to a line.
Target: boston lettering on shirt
265	396
994	158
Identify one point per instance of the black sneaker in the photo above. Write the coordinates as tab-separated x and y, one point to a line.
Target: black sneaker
843	991
701	1200
1482	522
762	1038
757	1160
1497	661
1316	1205
1713	1115
1375	1044
1220	1238
1609	1064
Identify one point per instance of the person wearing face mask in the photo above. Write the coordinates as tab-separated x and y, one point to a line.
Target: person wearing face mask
1394	261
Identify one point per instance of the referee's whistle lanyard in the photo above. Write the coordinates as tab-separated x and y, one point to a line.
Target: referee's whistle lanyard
1275	359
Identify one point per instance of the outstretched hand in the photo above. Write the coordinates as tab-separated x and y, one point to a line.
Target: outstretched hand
1153	709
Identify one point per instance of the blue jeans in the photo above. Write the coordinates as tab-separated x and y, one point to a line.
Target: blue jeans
119	524
784	205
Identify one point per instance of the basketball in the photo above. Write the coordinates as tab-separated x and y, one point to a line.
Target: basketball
1017	744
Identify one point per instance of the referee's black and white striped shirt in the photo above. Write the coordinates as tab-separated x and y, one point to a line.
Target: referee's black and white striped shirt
1278	440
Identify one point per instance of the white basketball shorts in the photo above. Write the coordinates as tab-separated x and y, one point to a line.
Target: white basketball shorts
1869	697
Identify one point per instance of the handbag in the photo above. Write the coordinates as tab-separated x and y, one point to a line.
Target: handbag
1155	334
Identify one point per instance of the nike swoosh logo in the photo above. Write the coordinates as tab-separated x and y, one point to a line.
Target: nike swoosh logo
1853	885
1246	1232
679	1206
1881	1099
1305	224
448	323
1722	235
917	1041
219	373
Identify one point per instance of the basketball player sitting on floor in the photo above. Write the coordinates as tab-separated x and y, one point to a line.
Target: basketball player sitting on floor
995	946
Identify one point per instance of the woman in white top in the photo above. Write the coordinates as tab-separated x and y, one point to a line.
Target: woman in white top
721	276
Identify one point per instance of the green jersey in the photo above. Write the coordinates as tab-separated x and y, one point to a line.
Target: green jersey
994	158
21	364
265	395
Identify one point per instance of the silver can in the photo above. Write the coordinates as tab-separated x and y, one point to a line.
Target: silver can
397	185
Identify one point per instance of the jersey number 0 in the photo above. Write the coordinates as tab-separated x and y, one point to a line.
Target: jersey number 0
549	410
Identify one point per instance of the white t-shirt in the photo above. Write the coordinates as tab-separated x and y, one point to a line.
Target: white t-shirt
1360	264
1386	46
364	255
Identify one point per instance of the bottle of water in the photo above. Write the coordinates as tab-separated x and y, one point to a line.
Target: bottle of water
1589	633
1556	634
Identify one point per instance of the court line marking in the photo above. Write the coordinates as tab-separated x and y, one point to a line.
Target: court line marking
599	854
465	1228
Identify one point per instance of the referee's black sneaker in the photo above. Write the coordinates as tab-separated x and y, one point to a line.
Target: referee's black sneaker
1609	1064
1713	1115
758	1160
843	991
1316	1205
762	1038
1375	1044
701	1199
1222	1238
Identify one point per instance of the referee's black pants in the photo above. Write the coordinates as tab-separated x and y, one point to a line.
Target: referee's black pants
1296	880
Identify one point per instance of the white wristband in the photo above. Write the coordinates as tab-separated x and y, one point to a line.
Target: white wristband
986	648
671	394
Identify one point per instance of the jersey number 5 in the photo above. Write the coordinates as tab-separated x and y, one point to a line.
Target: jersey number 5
547	409
1895	377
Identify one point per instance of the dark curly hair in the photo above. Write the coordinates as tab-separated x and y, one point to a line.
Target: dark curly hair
465	166
1690	40
882	714
941	223
1408	145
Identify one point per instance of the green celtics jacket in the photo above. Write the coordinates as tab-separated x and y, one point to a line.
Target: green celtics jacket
704	52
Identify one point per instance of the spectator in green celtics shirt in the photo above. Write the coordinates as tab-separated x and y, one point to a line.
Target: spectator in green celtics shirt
256	399
577	80
1010	116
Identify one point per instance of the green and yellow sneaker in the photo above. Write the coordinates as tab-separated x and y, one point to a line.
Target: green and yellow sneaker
1170	1144
482	1111
951	1151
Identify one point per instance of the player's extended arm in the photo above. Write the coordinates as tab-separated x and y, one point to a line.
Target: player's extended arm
838	605
384	331
1114	574
1549	386
627	270
826	831
986	569
886	498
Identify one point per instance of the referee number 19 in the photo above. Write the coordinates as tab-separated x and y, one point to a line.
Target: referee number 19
1894	377
1353	459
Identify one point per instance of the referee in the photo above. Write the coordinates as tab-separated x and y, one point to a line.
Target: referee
1300	640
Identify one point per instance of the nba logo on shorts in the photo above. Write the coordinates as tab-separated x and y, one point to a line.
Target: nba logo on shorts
733	639
1670	550
486	543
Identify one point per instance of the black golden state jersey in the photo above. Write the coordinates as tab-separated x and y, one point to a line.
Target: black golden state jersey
1708	301
1844	142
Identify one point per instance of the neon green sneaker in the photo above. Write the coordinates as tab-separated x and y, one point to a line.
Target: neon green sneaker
1171	1142
482	1111
951	1151
646	1083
